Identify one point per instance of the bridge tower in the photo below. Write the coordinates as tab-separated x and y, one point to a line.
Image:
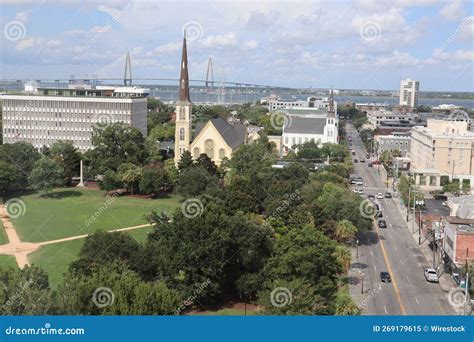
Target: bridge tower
127	75
210	72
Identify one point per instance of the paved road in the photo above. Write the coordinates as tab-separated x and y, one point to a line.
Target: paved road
393	249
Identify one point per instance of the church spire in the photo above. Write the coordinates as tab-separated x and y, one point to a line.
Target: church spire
183	77
331	102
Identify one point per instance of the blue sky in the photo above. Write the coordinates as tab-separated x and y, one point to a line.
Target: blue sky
358	44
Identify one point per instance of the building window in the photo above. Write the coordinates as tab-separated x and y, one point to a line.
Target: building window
196	152
182	114
209	146
221	153
181	134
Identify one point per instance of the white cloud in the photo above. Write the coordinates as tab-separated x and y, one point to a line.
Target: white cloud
166	48
250	44
53	43
466	29
27	43
452	10
216	41
23	16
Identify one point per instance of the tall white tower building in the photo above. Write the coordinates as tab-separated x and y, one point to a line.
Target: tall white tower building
409	93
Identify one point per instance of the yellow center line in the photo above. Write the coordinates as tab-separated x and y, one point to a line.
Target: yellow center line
394	282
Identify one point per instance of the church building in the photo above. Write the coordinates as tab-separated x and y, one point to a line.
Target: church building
217	138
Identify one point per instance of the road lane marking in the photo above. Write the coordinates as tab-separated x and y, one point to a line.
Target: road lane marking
371	253
385	309
394	282
416	300
408	279
375	268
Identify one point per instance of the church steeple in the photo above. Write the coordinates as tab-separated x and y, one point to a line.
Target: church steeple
184	77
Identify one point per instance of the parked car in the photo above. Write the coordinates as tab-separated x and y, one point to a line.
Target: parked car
382	224
367	156
360	182
385	277
362	160
440	197
379	214
388	195
360	191
356	161
379	195
431	275
353	153
369	164
371	197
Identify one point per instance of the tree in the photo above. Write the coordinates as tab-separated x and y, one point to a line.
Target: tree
8	177
22	156
345	231
205	162
130	174
115	145
67	156
154	180
194	181
103	248
171	171
345	306
343	256
186	161
46	174
452	186
110	181
158	113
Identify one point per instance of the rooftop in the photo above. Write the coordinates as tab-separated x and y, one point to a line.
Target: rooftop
462	225
305	125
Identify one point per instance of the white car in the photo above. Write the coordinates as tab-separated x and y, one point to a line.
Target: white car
360	191
359	182
431	275
379	195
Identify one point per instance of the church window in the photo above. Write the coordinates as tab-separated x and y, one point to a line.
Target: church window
182	114
181	134
209	145
221	153
196	152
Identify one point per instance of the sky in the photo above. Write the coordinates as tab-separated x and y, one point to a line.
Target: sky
360	44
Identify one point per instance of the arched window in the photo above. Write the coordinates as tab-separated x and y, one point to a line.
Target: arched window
182	114
196	152
181	134
221	153
209	146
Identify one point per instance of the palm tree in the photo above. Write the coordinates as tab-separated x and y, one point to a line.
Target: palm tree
130	174
345	231
343	256
345	306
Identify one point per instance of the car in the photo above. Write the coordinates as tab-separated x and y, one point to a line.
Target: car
385	277
369	164
379	195
379	214
371	197
367	156
360	191
355	190
362	160
431	275
356	161
353	153
382	223
388	195
359	182
440	197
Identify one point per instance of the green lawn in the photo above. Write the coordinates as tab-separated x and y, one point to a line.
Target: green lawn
3	235
55	258
7	261
68	212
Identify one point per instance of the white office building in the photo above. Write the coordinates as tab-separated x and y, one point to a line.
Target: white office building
409	93
54	114
311	102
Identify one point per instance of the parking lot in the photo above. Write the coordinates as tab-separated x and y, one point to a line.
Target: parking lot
436	207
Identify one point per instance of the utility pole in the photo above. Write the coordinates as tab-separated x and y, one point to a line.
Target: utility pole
419	229
408	204
362	283
434	248
357	249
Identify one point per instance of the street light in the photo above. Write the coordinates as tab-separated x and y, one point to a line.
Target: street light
357	249
362	283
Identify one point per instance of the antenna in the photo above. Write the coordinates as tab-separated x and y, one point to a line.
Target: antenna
127	76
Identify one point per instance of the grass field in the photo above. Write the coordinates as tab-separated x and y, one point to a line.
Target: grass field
68	212
55	258
3	235
7	261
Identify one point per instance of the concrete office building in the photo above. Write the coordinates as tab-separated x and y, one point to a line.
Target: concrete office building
397	141
54	114
409	93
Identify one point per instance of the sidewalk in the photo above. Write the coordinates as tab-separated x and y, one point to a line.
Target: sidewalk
355	285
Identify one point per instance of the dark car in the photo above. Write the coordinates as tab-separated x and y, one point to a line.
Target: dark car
440	197
371	197
385	277
369	164
382	224
388	195
356	161
368	156
379	214
353	153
